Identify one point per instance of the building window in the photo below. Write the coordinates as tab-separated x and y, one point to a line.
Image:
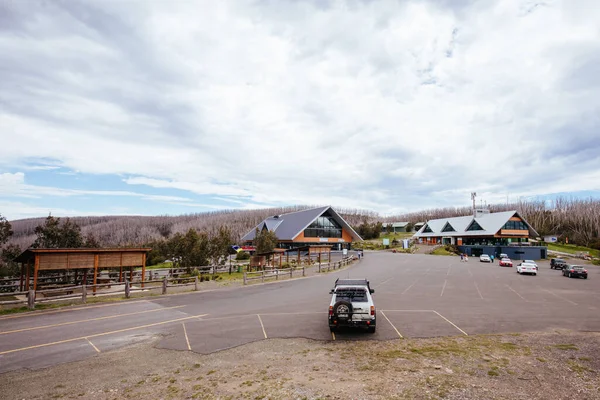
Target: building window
474	226
448	228
324	226
515	225
427	229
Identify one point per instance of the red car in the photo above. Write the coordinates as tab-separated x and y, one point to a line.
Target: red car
505	262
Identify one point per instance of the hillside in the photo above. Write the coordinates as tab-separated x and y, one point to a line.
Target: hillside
136	230
575	219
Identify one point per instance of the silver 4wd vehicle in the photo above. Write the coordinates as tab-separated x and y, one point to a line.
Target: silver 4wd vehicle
352	305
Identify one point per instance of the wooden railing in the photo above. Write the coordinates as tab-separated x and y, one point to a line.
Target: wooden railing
82	291
289	272
272	273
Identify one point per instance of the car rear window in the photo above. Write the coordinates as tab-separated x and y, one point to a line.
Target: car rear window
351	294
578	268
506	259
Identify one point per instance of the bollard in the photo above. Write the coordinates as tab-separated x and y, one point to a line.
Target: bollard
31	300
303	272
291	272
245	282
164	288
263	275
196	283
127	289
83	294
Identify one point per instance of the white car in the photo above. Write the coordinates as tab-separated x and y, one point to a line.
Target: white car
527	268
530	262
352	305
484	258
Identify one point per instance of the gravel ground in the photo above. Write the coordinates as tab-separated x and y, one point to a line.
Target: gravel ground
549	365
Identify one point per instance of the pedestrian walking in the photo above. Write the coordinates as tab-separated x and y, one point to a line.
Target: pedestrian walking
466	258
461	257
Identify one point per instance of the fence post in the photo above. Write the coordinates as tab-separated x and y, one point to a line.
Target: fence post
164	288
31	300
263	275
245	282
276	274
303	272
291	272
83	293
127	289
196	283
319	268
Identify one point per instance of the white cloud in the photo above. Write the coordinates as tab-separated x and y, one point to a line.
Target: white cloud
379	105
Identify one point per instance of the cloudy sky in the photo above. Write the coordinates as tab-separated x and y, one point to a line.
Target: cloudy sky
171	107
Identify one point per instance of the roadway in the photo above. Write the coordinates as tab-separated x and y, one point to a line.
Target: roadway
415	295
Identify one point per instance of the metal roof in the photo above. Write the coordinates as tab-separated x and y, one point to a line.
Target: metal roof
288	226
396	224
491	224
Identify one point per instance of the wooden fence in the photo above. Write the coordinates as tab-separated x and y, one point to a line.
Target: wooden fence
82	291
289	272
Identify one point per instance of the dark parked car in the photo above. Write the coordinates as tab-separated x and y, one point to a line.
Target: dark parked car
557	263
575	271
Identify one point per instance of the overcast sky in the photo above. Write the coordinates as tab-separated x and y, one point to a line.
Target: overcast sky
171	107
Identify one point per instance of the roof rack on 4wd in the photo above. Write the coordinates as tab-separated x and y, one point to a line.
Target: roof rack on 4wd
354	282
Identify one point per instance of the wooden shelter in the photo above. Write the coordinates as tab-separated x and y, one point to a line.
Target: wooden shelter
79	259
260	260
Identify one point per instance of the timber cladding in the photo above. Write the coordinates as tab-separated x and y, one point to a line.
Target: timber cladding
55	261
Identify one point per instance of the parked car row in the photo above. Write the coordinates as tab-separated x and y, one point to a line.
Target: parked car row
568	270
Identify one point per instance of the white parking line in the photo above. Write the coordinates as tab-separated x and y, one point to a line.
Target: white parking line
560	297
508	286
384	282
443	288
333	335
263	327
450	322
477	287
449	267
408	288
92	344
388	320
187	340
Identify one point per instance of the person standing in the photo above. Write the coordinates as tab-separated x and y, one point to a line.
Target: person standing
461	257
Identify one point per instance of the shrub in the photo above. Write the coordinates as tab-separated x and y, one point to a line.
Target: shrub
242	255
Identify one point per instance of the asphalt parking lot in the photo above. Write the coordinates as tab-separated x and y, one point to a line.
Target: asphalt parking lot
415	295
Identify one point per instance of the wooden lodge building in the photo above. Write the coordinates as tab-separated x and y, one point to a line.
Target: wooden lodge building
484	233
315	226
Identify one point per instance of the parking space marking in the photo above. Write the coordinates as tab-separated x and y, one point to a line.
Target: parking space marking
388	320
187	340
333	335
477	287
88	320
443	288
386	281
469	271
560	297
261	324
450	322
92	344
408	288
449	267
37	346
517	293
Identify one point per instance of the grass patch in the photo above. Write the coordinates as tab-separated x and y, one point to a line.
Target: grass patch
569	346
18	310
578	368
493	372
540	359
441	251
572	249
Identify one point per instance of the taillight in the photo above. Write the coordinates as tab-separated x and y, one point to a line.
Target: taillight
372	310
330	311
585	270
572	270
